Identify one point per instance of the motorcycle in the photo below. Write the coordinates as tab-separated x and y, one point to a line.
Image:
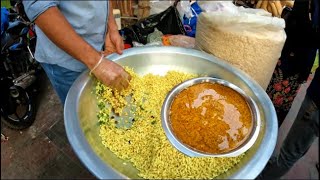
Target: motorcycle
18	69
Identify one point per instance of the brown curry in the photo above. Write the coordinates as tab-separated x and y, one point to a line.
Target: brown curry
210	117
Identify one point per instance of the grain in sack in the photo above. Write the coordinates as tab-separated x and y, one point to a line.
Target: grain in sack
248	41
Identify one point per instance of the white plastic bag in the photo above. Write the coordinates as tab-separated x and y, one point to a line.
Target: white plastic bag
250	42
158	6
185	8
260	12
182	41
136	44
214	6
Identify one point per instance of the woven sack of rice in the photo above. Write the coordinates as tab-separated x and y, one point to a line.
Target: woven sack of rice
250	42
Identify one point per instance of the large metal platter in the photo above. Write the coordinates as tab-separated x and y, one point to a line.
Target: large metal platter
81	107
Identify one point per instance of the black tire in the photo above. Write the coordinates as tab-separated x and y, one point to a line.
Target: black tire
28	111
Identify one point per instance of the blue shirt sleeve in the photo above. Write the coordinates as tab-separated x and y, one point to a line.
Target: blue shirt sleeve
34	8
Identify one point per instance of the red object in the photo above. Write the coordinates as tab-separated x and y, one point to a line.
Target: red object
31	33
127	46
278	86
165	40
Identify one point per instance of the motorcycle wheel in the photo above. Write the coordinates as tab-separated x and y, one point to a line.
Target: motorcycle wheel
24	112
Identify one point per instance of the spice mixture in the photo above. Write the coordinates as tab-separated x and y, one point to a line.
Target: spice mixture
210	117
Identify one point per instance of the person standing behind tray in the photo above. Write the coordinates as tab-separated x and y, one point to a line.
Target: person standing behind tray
70	37
297	57
305	128
303	132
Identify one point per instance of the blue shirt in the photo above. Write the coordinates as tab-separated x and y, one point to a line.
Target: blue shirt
88	18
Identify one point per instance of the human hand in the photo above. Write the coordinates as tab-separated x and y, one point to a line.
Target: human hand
112	75
113	43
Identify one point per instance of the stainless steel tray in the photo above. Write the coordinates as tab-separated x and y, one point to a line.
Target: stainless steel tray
81	107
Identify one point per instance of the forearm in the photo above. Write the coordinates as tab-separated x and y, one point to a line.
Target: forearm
112	25
59	31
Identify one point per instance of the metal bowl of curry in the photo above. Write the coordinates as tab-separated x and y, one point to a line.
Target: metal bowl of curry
210	117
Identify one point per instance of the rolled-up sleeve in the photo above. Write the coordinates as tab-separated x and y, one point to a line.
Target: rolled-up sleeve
34	8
